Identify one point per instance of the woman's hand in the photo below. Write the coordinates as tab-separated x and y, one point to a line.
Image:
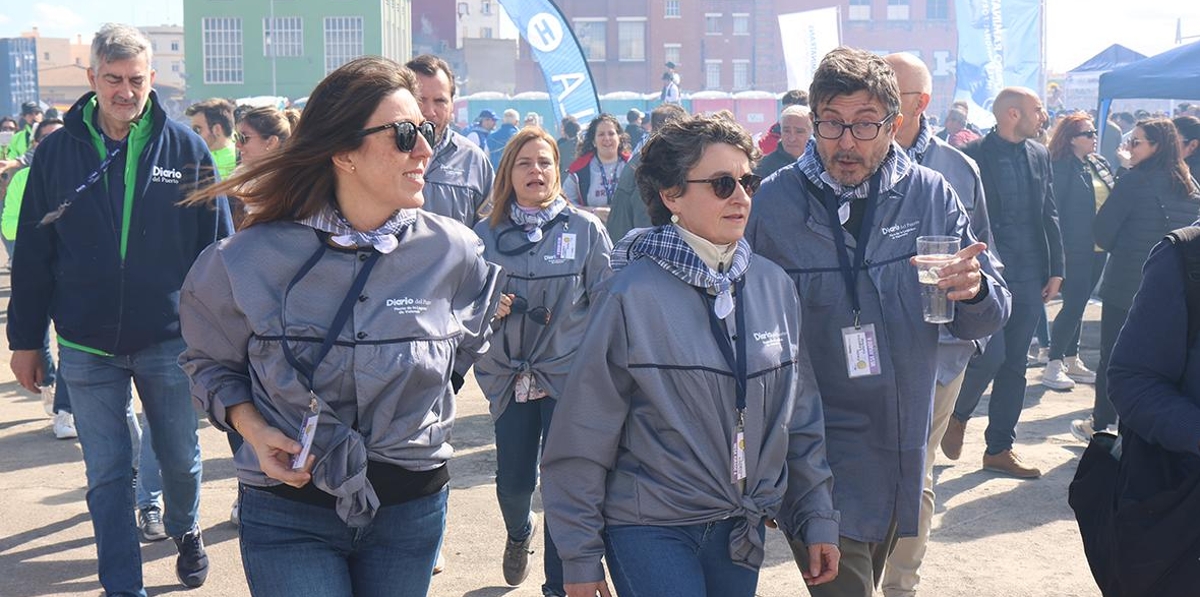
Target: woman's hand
273	448
505	307
588	589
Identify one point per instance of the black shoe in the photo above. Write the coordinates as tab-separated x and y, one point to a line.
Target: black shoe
150	524
191	567
516	556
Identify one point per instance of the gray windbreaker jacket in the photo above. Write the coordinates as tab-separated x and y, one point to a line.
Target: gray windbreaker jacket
384	388
544	275
642	432
876	427
458	179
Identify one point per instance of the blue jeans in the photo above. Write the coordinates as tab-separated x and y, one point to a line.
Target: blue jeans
291	548
62	394
1002	364
520	435
683	561
149	481
100	402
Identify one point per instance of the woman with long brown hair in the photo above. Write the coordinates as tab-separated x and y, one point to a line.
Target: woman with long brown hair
329	333
1082	182
1156	196
556	255
592	178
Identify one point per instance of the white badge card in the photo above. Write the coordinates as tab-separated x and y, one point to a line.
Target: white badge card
566	246
862	351
307	431
738	474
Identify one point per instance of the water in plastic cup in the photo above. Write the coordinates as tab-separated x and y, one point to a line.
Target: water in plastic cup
934	252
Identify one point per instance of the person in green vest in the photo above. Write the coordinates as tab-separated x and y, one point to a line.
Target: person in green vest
16	189
212	119
31	113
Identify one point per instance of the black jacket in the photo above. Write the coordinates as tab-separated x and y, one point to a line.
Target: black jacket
1143	207
774	161
1049	251
1075	197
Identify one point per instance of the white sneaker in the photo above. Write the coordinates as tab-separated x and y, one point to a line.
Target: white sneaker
1055	376
1082	430
1078	372
64	426
48	399
1037	356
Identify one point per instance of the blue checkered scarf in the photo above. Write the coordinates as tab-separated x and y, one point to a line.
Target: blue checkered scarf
916	153
895	167
533	222
664	245
383	238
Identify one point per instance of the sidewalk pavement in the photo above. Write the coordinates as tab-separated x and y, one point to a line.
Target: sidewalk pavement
993	536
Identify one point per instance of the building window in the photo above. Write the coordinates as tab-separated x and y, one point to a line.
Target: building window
741	75
937	10
860	10
671	9
741	24
174	46
485	32
712	23
485	7
174	67
343	41
286	38
712	74
897	10
222	50
46	56
631	40
463	9
672	53
592	39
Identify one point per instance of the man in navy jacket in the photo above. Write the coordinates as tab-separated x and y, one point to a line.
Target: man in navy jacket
102	251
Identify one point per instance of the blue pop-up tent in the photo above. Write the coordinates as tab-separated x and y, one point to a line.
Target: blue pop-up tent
1174	74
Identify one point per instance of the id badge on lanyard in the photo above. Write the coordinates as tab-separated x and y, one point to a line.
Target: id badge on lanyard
859	342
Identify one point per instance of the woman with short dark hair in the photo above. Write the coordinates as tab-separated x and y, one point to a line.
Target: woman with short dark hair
691	417
331	333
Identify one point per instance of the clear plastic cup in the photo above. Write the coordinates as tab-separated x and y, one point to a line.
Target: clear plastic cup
934	253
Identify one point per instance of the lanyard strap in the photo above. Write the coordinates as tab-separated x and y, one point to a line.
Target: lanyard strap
529	244
87	183
737	365
609	186
339	319
850	271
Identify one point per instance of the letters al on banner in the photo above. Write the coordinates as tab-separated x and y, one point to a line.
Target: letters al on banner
568	80
818	32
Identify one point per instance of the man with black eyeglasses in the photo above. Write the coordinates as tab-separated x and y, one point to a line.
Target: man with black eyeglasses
843	221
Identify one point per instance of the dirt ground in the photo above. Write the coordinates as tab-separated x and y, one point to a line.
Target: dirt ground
993	536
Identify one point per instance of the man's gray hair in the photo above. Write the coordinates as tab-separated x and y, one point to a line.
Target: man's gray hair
115	41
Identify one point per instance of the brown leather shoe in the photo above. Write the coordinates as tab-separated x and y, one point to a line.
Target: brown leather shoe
1008	463
952	441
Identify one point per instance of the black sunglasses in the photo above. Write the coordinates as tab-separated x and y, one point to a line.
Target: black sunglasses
243	139
1092	133
406	133
723	186
520	306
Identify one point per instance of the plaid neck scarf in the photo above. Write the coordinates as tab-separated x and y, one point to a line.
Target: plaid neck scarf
924	138
533	222
383	238
896	165
664	245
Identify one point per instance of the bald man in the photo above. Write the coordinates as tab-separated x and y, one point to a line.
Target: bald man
901	575
1017	181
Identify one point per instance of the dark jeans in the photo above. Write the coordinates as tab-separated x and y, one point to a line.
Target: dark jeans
1111	320
1003	362
520	433
677	561
1083	271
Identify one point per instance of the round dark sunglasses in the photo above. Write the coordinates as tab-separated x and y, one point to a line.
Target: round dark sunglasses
1091	133
520	306
723	186
406	133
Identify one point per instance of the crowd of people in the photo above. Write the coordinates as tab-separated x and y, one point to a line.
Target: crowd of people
681	372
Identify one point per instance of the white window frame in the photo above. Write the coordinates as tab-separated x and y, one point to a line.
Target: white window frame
899	10
744	19
677	55
589	44
744	66
222	50
711	18
672	9
945	10
342	41
485	7
639	56
709	74
859	12
287	39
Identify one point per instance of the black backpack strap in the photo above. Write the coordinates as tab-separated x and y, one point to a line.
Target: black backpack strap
1187	240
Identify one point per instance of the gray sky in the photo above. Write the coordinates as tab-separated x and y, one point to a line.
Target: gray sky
1077	29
